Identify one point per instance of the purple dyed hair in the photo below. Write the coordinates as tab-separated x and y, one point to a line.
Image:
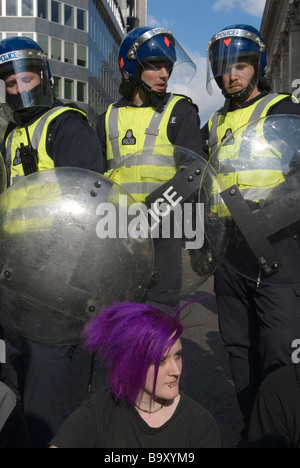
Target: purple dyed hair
129	337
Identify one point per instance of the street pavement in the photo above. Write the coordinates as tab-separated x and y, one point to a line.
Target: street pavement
207	376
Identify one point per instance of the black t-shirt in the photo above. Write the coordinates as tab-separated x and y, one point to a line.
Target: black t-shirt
275	421
100	422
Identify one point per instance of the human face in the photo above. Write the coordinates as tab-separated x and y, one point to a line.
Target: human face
169	372
237	77
22	82
156	75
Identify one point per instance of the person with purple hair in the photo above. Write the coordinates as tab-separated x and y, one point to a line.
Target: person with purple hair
142	406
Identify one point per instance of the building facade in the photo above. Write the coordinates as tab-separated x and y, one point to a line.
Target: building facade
280	28
81	39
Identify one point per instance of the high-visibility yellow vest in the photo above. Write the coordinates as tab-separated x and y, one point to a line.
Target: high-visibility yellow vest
131	129
38	136
254	171
220	125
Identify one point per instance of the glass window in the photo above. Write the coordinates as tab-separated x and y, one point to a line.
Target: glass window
69	52
81	91
81	56
11	34
56	49
43	42
26	34
69	16
55	11
69	89
11	8
57	86
42	9
81	19
27	7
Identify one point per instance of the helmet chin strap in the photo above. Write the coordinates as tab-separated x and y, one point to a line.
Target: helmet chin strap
154	97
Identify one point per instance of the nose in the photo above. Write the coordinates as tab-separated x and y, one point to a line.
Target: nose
233	72
175	367
164	71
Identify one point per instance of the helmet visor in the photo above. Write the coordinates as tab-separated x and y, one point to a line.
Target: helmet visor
225	50
160	46
24	81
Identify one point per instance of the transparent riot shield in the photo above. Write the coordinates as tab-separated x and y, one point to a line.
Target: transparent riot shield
68	247
3	176
257	192
189	242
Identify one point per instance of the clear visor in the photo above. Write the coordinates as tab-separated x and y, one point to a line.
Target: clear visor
175	59
228	58
24	83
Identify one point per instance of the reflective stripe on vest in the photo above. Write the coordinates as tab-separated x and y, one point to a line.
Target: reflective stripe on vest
38	134
138	175
254	174
150	133
242	116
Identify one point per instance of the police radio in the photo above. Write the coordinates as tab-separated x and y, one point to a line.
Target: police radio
29	159
28	156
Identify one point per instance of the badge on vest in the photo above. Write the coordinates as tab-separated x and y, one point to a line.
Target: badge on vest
228	133
129	138
17	159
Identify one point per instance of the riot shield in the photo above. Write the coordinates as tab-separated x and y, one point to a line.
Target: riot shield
189	242
258	193
3	176
68	248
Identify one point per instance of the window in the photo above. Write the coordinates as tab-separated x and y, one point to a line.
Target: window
42	9
81	56
57	86
43	42
11	8
69	16
11	34
56	49
55	11
81	91
26	34
69	89
27	7
81	19
69	52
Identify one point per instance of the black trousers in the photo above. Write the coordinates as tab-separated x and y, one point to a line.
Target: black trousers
48	380
258	325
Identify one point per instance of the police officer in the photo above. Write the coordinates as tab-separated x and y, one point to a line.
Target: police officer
47	134
258	322
148	116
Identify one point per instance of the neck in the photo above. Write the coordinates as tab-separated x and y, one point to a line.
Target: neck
252	95
138	97
145	403
152	408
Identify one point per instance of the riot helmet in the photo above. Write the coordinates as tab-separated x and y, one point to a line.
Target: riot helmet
145	45
232	45
26	79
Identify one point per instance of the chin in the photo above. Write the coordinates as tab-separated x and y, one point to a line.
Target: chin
170	393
